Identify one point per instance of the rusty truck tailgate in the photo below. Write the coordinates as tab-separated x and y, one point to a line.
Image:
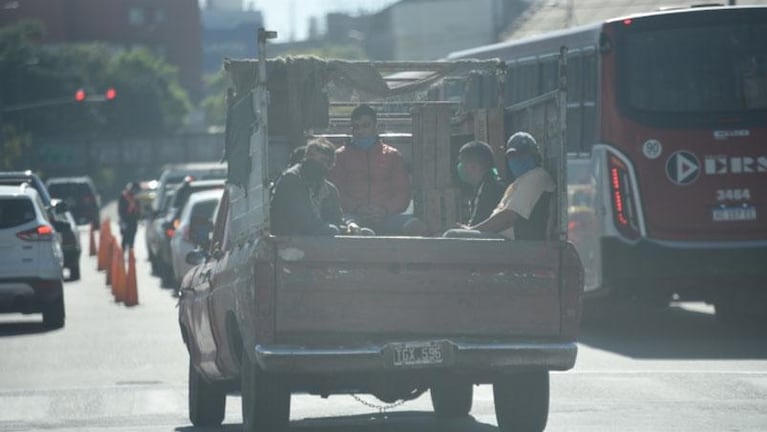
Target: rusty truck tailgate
416	287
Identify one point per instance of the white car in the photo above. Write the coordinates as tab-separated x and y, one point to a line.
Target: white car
31	259
194	227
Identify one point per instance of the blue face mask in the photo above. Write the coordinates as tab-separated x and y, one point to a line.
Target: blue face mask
520	165
364	143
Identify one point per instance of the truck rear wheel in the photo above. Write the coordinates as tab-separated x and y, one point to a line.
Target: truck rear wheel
452	399
522	401
265	402
207	402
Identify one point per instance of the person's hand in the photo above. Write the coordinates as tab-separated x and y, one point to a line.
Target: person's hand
353	228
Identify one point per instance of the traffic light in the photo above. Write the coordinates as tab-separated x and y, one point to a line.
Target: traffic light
110	94
80	95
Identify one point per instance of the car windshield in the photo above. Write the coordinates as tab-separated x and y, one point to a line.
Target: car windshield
721	68
66	190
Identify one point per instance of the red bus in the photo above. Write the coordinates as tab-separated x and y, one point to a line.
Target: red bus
667	135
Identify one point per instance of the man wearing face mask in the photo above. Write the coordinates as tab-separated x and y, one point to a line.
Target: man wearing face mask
372	179
303	201
523	211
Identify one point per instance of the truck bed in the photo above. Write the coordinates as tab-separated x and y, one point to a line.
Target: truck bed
354	290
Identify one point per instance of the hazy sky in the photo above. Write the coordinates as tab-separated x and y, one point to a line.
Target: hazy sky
277	13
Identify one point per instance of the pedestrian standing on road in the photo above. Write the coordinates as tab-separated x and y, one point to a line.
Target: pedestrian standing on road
129	211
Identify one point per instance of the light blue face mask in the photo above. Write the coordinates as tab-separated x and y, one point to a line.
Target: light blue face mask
364	143
518	166
462	172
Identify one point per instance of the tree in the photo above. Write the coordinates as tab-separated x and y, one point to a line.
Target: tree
150	99
214	103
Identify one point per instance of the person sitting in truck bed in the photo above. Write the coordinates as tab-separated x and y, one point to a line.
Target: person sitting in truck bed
303	201
523	212
476	166
373	181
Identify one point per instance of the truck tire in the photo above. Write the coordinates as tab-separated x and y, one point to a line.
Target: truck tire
207	402
265	402
522	401
53	314
452	399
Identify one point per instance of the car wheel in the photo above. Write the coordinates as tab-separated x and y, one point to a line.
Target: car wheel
53	314
522	401
265	403
207	402
74	272
452	399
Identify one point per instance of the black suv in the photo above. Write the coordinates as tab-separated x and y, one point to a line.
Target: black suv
80	195
62	219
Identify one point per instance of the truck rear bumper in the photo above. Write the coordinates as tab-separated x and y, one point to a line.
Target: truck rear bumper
462	356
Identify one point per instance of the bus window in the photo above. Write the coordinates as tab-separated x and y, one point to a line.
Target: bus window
695	70
574	109
589	111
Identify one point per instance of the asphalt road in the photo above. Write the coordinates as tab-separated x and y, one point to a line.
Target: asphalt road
113	368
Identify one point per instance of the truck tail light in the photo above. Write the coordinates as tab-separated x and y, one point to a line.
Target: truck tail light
264	306
625	210
39	233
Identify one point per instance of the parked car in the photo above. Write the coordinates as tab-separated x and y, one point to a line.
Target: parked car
62	219
30	257
165	226
81	197
171	176
195	225
146	196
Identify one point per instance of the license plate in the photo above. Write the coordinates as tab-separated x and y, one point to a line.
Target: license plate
417	354
734	214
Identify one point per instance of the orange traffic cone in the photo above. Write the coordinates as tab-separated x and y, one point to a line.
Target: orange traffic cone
92	244
119	281
102	258
110	246
114	270
131	295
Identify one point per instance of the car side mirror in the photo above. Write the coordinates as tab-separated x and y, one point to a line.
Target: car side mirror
195	257
61	207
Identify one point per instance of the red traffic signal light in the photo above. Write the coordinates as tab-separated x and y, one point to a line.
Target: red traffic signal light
80	95
110	94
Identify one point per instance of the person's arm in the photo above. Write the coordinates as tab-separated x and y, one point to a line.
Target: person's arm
487	200
398	197
498	222
331	207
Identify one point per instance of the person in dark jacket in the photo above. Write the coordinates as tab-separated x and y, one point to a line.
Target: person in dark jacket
129	211
303	201
476	166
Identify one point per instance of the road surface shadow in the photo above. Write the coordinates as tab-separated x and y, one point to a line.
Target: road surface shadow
675	333
22	328
402	421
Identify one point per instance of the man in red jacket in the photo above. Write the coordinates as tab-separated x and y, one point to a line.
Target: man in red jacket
372	180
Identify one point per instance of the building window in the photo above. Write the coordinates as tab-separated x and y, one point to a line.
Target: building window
136	17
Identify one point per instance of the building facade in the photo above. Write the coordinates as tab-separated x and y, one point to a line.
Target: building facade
169	28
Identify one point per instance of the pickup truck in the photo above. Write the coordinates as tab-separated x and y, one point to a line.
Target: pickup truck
394	317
